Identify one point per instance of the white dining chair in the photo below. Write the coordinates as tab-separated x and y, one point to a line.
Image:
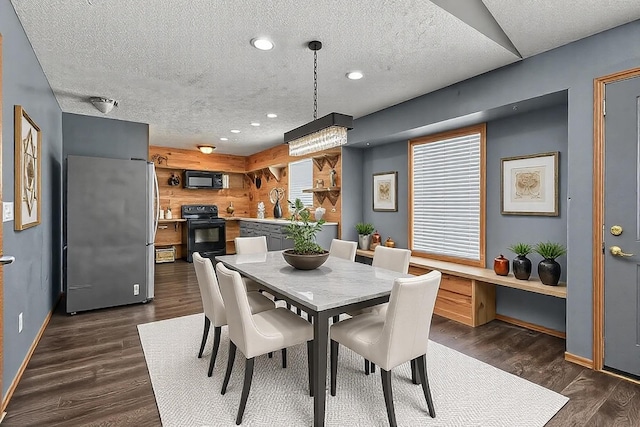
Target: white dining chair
248	246
343	249
259	333
394	259
214	309
399	336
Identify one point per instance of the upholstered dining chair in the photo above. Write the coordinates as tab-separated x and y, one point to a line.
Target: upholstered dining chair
259	333
248	246
399	336
394	259
343	249
214	309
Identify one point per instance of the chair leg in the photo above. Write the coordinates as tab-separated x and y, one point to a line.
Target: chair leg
248	376
421	363
284	358
388	396
334	366
366	367
227	375
216	346
310	365
414	371
205	334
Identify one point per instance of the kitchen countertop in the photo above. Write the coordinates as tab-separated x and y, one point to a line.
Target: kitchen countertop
268	220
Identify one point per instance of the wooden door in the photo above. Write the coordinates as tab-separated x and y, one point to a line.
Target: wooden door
622	227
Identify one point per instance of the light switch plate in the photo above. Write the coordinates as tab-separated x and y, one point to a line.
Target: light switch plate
7	211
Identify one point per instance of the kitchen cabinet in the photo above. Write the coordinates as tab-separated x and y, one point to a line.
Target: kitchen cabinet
276	233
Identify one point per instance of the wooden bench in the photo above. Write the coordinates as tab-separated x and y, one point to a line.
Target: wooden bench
467	294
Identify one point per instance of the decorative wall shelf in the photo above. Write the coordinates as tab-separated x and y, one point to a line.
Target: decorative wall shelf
330	159
321	193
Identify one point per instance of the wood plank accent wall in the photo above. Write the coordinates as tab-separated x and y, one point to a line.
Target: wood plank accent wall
242	191
193	159
279	156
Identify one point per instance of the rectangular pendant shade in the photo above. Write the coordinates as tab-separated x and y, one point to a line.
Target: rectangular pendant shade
326	132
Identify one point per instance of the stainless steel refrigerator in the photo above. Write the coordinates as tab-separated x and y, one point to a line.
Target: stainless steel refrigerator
111	216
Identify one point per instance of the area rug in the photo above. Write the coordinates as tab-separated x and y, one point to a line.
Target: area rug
466	392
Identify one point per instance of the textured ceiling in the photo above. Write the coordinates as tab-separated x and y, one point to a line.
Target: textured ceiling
186	67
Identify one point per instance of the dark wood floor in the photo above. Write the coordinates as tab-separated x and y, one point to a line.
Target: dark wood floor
89	369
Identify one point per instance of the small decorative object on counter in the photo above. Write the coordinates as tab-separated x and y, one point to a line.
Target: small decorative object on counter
364	230
261	210
501	265
230	209
548	269
320	211
390	243
168	214
521	264
161	213
375	240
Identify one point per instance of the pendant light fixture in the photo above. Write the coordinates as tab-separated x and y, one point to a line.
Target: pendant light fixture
322	133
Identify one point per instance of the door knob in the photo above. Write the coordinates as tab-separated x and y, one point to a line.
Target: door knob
6	259
616	251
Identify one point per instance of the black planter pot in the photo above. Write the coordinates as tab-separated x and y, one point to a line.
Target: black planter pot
521	267
277	210
549	272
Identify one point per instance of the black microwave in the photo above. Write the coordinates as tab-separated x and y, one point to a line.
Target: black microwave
202	179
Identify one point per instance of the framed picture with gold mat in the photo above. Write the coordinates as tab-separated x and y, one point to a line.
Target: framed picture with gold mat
28	180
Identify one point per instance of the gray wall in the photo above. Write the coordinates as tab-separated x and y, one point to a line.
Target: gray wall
572	67
351	188
103	137
388	158
535	132
32	283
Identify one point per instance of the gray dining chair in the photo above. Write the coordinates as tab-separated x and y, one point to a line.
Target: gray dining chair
400	335
259	333
343	249
214	309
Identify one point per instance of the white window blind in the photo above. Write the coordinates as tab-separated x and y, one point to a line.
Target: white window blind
301	178
446	197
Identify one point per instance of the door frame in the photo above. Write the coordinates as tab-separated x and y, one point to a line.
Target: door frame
1	269
599	88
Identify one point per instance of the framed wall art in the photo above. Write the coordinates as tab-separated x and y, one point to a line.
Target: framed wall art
529	185
385	192
28	145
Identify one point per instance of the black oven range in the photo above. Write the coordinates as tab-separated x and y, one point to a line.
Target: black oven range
204	231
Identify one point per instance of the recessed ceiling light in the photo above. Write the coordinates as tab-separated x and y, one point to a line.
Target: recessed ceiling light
224	139
262	43
355	75
255	124
272	115
235	131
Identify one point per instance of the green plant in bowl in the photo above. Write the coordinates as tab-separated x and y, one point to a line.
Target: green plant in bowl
306	253
521	249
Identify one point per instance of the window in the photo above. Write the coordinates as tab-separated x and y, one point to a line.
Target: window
301	178
447	196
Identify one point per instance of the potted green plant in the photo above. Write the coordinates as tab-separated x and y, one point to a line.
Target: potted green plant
306	253
521	264
548	269
364	230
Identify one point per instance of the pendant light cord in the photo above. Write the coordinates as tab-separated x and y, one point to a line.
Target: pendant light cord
315	84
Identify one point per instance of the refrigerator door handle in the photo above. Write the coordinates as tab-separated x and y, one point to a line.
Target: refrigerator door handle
157	200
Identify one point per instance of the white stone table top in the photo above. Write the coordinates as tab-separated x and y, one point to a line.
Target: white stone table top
338	282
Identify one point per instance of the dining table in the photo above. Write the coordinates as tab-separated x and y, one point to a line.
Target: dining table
336	287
